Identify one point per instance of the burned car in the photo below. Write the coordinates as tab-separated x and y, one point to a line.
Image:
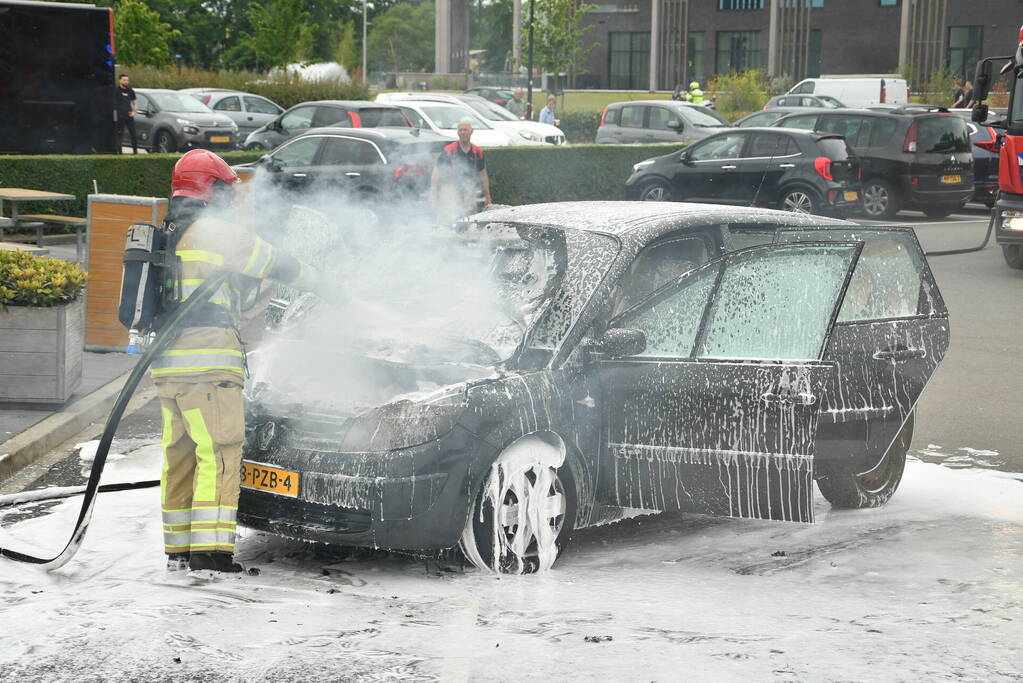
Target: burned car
624	355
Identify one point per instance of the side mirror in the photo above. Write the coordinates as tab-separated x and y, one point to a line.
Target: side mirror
676	124
620	342
979	114
982	81
686	157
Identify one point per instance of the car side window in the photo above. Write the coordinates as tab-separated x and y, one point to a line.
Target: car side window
882	132
257	105
804	88
632	117
801	122
887	282
809	102
142	102
298	119
301	152
855	129
767	145
659	118
671	323
655	267
229	104
414	116
331	116
611	119
727	146
349	152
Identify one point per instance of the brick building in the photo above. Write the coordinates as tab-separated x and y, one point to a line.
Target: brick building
683	40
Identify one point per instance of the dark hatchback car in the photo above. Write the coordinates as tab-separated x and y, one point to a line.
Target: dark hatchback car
168	121
638	355
909	157
365	163
335	113
643	121
792	170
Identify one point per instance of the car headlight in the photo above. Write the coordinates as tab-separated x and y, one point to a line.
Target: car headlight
404	424
532	137
641	165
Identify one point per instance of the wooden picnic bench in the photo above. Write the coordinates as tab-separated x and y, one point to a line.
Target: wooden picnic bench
40	220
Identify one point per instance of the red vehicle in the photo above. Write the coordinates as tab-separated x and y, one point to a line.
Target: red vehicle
1008	211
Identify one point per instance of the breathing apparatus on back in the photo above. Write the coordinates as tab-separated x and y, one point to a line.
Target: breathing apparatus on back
151	279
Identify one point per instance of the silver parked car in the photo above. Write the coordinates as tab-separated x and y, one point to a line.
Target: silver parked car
247	110
657	121
169	121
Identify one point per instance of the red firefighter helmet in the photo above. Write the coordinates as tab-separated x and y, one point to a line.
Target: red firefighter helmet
197	171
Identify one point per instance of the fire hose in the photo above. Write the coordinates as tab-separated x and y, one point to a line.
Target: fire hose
162	340
968	250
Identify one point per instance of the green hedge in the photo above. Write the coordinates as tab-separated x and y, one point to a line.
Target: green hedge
518	175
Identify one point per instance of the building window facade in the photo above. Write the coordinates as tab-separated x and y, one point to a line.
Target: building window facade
696	56
964	50
737	51
629	60
740	4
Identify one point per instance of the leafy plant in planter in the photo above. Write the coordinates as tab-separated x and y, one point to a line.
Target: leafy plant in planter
28	280
42	328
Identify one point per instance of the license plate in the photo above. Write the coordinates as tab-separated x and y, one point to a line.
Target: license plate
851	195
220	138
948	179
272	479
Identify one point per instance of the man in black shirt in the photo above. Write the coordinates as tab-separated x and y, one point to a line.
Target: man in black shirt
460	175
126	108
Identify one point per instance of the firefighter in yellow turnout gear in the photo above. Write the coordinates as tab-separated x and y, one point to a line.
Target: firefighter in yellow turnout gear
200	376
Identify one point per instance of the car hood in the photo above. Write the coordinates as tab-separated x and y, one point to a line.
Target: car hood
482	138
543	129
203	119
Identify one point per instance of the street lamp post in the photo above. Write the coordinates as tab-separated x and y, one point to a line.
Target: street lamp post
529	65
364	2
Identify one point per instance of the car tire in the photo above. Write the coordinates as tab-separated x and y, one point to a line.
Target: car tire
163	143
1013	254
799	200
939	210
879	200
873	488
655	191
513	527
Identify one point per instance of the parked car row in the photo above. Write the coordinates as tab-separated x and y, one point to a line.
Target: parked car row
905	157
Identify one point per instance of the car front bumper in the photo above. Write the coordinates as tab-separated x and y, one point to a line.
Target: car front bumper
211	138
1009	228
411	499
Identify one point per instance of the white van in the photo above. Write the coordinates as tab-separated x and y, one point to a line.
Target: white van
860	91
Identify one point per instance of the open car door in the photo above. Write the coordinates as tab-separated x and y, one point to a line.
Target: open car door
891	333
719	413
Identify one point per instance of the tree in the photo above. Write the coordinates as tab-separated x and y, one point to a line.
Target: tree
558	35
346	53
142	39
401	38
491	30
281	32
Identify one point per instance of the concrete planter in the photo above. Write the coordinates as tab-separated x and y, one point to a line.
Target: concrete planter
41	351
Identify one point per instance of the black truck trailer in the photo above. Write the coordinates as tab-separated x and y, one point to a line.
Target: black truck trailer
57	80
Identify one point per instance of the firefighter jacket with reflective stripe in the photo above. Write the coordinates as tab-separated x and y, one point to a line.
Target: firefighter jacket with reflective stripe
213	352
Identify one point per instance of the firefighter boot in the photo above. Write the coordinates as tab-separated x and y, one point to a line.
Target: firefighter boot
214	562
177	561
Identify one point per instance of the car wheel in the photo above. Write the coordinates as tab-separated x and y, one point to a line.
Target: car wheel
875	487
164	143
798	200
655	191
879	199
939	210
1013	254
524	513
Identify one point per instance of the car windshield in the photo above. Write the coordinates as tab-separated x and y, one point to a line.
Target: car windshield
490	111
178	103
701	117
943	135
448	117
765	118
829	102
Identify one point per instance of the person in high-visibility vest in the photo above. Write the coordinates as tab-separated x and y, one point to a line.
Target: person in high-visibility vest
200	376
695	95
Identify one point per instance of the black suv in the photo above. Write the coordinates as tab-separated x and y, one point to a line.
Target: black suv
910	157
794	170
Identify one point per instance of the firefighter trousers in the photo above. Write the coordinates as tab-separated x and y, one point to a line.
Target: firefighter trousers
203	431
